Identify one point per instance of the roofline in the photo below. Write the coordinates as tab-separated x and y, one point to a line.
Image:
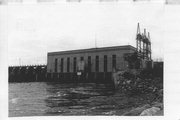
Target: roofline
124	47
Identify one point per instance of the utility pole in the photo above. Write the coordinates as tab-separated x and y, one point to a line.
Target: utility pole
19	61
95	41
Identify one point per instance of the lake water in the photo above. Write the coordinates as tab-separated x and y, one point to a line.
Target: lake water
47	99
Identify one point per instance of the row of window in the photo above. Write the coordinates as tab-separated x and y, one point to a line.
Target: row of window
89	65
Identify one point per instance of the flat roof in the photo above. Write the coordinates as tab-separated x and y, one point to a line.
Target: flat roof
124	47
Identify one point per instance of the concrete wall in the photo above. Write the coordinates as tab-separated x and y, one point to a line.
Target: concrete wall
120	63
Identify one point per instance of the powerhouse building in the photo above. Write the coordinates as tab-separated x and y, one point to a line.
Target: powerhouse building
103	59
90	65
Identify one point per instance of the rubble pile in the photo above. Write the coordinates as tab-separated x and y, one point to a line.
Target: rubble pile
139	83
143	83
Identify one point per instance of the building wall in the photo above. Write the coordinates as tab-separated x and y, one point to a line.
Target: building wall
120	63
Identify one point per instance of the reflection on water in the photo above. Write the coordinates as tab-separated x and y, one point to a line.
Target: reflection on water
41	98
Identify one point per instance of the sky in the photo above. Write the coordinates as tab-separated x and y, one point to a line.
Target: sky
36	29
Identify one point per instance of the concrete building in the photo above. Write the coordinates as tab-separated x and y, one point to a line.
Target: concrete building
90	60
92	65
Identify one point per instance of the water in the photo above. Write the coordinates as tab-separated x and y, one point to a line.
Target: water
43	98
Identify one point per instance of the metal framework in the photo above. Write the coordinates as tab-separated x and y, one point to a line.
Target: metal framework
143	44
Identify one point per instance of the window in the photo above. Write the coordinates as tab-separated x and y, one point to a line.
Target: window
55	67
82	58
68	64
113	61
97	63
105	63
62	64
74	67
89	63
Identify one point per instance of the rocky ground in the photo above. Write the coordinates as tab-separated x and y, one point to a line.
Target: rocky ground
142	93
125	105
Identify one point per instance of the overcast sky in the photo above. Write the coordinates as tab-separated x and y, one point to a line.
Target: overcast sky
34	30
